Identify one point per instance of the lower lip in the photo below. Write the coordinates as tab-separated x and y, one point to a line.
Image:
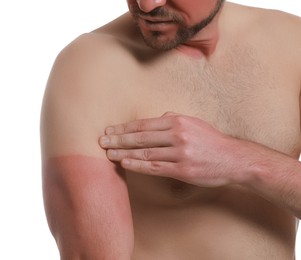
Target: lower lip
156	26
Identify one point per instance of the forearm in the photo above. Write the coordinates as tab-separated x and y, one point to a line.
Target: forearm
270	174
88	209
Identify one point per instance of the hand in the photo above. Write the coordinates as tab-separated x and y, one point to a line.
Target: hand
176	146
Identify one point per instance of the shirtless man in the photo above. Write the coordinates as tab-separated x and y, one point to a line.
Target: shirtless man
216	178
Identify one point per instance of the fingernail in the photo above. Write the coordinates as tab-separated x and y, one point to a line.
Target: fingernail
109	130
104	140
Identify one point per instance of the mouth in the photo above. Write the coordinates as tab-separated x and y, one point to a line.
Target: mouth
156	24
154	20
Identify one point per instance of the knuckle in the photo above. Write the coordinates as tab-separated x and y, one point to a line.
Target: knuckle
140	139
180	120
181	137
154	167
146	154
128	128
121	141
123	128
180	129
185	153
141	126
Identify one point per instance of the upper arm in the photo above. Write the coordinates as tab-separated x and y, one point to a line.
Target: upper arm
76	105
86	197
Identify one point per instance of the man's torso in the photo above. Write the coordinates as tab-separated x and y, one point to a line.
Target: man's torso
246	90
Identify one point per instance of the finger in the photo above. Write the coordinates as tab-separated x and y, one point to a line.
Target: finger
141	125
170	114
155	168
136	140
166	154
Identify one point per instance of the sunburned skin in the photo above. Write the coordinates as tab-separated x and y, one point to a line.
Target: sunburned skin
190	26
204	46
198	53
248	90
89	197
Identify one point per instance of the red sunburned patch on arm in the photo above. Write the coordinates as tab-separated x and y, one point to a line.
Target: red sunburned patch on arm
78	168
87	204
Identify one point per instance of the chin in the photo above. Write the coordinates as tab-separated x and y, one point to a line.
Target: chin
161	42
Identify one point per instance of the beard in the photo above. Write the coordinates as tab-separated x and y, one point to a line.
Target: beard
158	40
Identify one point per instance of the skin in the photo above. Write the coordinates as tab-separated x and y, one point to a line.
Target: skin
190	150
217	178
186	23
85	196
166	38
98	210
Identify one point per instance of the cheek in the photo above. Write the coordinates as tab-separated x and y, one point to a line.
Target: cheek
131	3
196	10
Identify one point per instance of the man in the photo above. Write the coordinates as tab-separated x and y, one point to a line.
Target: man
218	177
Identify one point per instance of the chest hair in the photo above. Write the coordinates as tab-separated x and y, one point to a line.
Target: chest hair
238	94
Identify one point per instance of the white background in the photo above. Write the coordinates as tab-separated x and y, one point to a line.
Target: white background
32	33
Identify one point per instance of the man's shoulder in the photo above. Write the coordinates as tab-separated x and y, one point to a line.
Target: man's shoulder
273	31
263	18
283	32
116	39
83	95
93	47
280	21
96	58
93	65
276	23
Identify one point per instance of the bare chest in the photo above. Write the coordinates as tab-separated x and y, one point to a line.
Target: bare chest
238	93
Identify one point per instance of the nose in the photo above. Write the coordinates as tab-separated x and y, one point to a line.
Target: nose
149	5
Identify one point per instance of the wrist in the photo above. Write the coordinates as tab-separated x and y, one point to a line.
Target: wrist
248	163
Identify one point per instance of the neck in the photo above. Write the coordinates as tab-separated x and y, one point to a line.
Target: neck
204	43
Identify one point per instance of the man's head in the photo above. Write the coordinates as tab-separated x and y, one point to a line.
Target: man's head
165	24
